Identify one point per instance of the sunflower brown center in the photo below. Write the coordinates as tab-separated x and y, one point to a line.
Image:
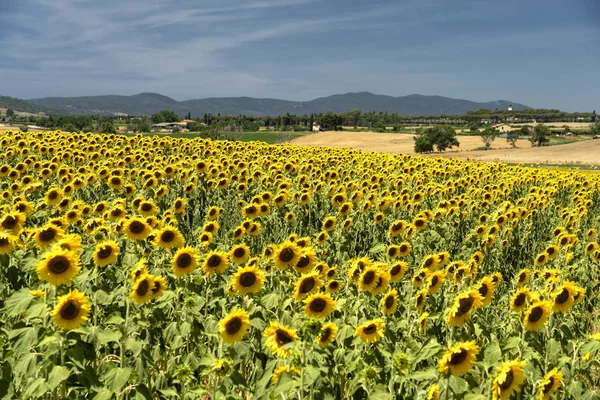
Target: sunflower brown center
4	242
105	252
325	333
434	280
536	314
115	180
9	222
464	305
483	289
178	204
214	261
239	252
286	255
70	310
303	262
520	300
137	227
58	264
307	285
510	377
522	277
563	297
146	207
167	236
370	329
369	278
282	337
458	358
247	279
389	301
317	305
142	288
548	386
333	285
233	326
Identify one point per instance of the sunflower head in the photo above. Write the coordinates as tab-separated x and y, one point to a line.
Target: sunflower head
319	305
71	310
459	359
279	337
234	326
248	279
142	289
59	266
184	261
327	334
371	331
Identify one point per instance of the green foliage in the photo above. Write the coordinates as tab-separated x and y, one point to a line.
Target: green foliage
488	135
330	122
165	116
595	128
440	137
540	135
512	137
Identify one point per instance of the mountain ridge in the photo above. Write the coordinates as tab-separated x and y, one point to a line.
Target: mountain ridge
148	103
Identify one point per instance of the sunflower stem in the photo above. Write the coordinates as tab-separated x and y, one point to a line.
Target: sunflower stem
122	341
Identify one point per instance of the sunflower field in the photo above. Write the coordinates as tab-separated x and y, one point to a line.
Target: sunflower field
137	267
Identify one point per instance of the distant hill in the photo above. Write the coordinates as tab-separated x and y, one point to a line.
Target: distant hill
149	103
23	105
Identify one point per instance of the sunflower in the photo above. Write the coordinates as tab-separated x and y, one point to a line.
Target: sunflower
464	304
282	369
536	315
215	262
590	248
286	254
369	278
419	278
278	336
59	267
389	303
420	299
509	378
459	359
334	286
142	289
147	208
564	297
71	310
7	243
541	259
211	227
136	229
53	196
319	305
435	282
185	261
404	249
423	318
160	285
393	251
523	277
519	300
371	331
46	236
239	253
248	279
179	205
550	384
433	393
234	326
138	270
486	289
168	238
306	285
106	253
397	270
327	334
552	252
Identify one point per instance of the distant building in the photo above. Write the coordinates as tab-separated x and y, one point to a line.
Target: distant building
502	127
510	108
316	128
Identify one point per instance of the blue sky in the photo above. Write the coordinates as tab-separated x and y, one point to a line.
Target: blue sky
543	53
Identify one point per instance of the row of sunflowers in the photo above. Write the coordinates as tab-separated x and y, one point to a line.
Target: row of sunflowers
137	267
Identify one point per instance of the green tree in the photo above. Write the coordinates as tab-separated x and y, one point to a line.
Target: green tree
595	128
10	113
330	121
165	116
442	137
157	118
513	136
108	127
354	117
423	144
488	135
540	135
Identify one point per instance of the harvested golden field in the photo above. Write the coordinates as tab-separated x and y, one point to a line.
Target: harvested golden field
583	152
386	142
137	267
